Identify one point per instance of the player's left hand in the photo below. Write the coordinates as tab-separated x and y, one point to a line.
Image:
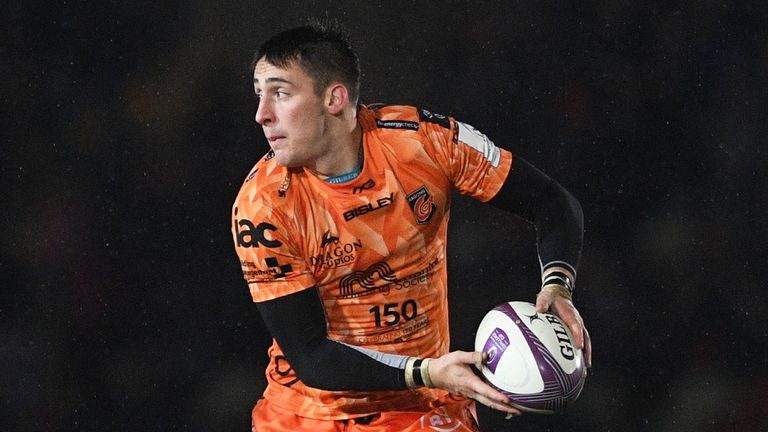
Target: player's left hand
551	299
453	372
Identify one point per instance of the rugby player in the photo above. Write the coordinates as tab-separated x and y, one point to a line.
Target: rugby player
341	234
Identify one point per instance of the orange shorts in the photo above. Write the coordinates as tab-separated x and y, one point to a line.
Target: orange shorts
448	415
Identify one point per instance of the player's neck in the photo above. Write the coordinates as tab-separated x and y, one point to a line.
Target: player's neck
345	156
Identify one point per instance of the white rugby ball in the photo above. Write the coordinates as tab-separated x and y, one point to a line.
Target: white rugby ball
532	357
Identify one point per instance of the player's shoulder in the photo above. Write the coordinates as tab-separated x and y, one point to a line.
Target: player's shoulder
264	182
405	117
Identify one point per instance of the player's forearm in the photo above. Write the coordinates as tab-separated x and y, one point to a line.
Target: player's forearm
555	213
559	222
297	322
335	366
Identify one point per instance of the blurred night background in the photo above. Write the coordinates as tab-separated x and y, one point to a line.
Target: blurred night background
127	129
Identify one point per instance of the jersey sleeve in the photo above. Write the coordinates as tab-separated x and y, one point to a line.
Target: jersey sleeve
474	164
269	255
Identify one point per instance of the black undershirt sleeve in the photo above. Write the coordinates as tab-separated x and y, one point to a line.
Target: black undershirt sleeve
555	213
298	324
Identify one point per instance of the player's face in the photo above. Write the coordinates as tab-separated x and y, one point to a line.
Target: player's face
291	114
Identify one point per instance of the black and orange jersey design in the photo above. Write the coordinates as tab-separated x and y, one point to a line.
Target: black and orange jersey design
375	246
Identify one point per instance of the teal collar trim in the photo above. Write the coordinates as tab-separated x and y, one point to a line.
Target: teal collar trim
341	178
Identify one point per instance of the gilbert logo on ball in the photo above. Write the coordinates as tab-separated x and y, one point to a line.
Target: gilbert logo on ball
531	358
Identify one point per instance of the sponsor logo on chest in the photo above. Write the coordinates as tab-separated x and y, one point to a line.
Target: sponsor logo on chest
371	207
335	253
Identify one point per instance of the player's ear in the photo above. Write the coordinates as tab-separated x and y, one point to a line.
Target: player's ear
337	97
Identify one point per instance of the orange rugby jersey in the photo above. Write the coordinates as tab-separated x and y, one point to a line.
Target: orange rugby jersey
375	246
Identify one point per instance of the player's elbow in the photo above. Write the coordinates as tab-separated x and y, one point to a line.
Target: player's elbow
563	203
319	375
574	206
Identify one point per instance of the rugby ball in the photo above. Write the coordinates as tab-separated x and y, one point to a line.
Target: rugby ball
531	358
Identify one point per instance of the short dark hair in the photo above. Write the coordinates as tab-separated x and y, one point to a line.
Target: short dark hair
321	49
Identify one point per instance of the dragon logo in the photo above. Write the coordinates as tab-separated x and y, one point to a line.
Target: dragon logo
422	205
328	238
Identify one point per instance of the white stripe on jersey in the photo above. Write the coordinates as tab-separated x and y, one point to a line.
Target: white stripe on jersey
478	141
394	360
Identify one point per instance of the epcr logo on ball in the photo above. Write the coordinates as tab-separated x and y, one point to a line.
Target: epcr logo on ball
492	353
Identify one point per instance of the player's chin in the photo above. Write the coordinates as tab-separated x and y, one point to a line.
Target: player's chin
286	158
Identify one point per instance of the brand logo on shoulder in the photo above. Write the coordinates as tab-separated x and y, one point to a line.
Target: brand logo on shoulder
397	124
422	205
431	117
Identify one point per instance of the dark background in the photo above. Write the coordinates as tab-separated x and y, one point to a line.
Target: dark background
127	129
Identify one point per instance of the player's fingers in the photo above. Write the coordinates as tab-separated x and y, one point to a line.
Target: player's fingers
478	359
497	405
492	398
467	357
481	388
475	358
543	301
572	319
577	330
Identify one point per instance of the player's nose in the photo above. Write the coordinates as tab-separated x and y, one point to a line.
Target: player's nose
264	113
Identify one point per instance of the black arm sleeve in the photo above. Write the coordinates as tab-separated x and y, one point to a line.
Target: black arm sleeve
555	213
297	322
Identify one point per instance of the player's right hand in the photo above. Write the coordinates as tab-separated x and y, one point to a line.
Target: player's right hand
547	300
453	372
